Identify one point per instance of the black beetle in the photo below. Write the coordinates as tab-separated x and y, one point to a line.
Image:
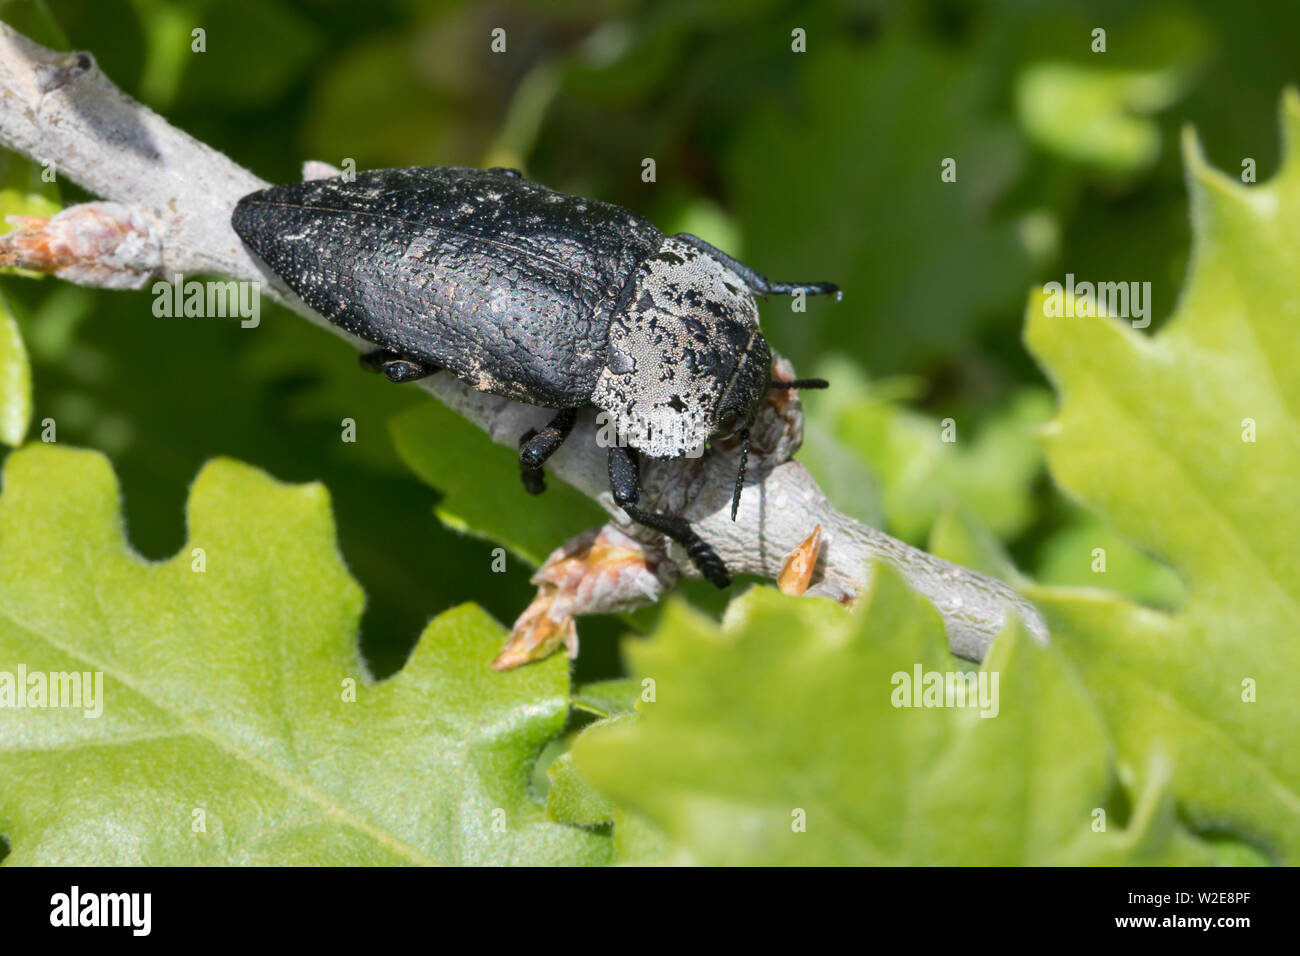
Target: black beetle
541	297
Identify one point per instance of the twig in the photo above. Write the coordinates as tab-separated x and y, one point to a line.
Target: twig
171	197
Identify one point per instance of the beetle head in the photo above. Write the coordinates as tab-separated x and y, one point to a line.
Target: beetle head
687	361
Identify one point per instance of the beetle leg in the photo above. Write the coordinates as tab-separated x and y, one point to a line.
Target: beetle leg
537	446
625	480
396	366
758	283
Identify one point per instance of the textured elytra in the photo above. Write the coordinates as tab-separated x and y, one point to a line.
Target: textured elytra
524	292
507	284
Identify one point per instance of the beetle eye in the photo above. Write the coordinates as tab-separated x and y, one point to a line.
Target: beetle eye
727	422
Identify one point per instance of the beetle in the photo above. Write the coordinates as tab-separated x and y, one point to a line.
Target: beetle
538	296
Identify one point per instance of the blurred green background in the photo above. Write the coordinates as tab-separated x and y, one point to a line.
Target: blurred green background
823	165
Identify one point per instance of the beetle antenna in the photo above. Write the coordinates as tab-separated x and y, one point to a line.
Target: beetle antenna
807	288
740	475
801	383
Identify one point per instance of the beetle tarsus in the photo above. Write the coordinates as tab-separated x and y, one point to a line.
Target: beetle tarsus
701	553
535	447
624	481
397	367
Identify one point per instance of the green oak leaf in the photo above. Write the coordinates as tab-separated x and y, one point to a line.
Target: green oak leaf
608	697
786	714
571	799
959	537
801	183
1071	557
1097	116
1098	108
24	191
1188	442
921	463
15	381
482	492
254	50
226	694
1085	552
